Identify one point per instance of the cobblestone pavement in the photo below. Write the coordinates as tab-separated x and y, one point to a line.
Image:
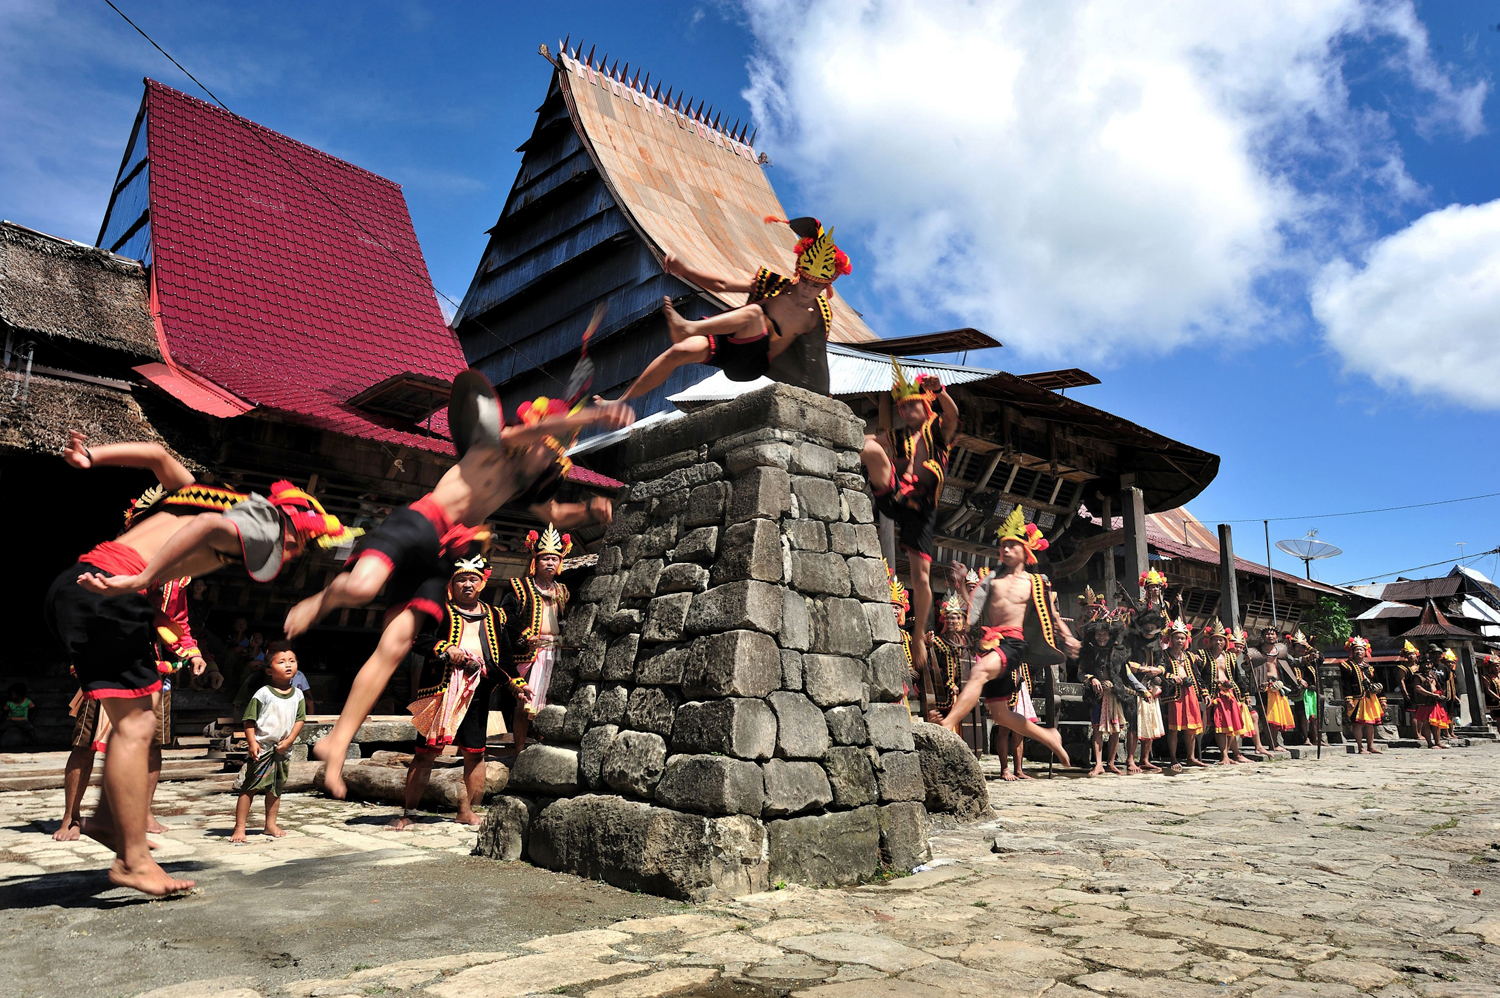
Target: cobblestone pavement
1334	878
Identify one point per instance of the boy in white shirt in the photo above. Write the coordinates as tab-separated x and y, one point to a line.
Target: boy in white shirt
273	720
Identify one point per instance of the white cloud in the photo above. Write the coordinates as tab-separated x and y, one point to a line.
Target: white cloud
1087	177
1423	313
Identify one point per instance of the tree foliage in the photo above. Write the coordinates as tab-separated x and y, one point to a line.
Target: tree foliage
1328	624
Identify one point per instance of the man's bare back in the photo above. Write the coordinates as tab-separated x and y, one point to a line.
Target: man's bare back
484	479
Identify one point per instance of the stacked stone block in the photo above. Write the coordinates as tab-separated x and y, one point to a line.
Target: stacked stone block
731	705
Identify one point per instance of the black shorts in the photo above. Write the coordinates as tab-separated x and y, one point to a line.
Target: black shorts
914	527
1003	687
409	543
109	639
740	361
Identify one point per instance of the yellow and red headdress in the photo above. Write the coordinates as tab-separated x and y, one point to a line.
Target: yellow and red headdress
549	541
954	604
1407	648
542	407
1449	655
1179	626
899	596
1355	641
1029	535
1151	577
818	259
308	517
1094	606
903	390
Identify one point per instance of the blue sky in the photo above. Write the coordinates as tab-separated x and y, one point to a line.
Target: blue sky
1238	221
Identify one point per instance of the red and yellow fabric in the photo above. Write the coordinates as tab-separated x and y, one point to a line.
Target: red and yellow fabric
1279	710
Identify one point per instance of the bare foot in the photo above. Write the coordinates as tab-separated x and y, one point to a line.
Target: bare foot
400	823
69	832
1225	761
1196	762
97	582
1175	767
238	836
1150	768
676	325
302	616
1114	769
333	768
1008	776
275	831
149	879
1096	771
1239	759
1021	774
1062	754
156	827
1132	769
1376	751
469	819
106	835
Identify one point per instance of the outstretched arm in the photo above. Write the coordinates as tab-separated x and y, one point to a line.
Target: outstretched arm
702	278
611	415
168	470
567	515
191	551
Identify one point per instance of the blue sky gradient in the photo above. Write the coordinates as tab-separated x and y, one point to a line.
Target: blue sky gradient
438	97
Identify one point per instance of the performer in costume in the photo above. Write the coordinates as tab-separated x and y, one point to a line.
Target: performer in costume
950	652
533	605
1149	725
1304	660
1230	719
1013	617
1181	701
1447	668
111	640
1101	642
469	660
1489	679
906	471
1430	719
1271	668
1364	707
411	553
901	607
743	341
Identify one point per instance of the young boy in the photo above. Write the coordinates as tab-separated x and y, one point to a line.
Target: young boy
273	720
743	341
17	713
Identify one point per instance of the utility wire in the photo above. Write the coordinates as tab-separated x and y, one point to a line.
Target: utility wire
1414	568
1357	512
255	131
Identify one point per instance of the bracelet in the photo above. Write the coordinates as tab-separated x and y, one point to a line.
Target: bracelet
90	455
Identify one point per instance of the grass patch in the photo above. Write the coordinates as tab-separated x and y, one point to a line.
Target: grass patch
981	904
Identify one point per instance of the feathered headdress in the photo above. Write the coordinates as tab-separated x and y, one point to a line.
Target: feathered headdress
472	565
954	603
1151	577
549	541
975	578
1407	648
1215	629
899	596
818	259
1179	626
1094	606
142	503
1298	638
308	517
903	390
1355	641
1015	528
1449	656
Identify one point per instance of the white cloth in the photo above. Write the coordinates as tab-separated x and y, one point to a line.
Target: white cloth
1024	706
1148	719
539	676
276	713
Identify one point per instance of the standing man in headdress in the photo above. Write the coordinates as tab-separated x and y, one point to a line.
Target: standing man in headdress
452	706
949	648
1013	617
1181	696
1270	669
743	342
1100	661
1364	707
1489	678
906	469
533	605
1304	660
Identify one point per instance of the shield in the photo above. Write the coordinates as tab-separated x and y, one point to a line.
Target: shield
474	415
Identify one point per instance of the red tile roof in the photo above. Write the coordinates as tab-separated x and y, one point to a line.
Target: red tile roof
288	277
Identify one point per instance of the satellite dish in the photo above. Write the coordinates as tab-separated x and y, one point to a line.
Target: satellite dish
1309	549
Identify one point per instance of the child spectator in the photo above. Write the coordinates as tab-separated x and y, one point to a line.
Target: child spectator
17	713
273	720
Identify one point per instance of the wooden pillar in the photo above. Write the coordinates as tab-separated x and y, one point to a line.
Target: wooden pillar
1133	511
1229	584
1478	714
1108	520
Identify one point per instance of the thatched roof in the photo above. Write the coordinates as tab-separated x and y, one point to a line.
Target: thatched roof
40	422
55	288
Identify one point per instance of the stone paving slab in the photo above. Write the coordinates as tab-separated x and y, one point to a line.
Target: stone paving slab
1375	876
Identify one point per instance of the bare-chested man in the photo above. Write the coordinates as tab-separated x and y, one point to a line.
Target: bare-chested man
111	642
1001	610
743	341
414	549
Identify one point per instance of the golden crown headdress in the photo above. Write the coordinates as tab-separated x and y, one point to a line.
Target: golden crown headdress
1298	638
903	390
549	541
1094	606
144	502
1356	641
1179	626
1215	629
818	259
1151	577
1407	648
899	596
954	603
1449	656
1015	528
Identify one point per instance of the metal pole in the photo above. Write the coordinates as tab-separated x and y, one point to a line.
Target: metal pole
1270	575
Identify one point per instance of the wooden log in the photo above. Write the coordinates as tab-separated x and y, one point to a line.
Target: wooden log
387	784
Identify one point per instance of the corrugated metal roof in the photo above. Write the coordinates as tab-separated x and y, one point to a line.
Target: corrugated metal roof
850	372
1388	610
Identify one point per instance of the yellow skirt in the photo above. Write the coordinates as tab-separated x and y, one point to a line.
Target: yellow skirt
1367	710
1279	711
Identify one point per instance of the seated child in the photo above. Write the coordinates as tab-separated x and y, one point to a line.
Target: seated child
273	720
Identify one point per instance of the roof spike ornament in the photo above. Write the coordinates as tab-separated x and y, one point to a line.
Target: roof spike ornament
656	94
590	59
818	259
1028	535
562	46
754	134
624	76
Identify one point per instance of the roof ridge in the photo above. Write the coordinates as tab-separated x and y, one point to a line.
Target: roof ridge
61	246
269	132
732	133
